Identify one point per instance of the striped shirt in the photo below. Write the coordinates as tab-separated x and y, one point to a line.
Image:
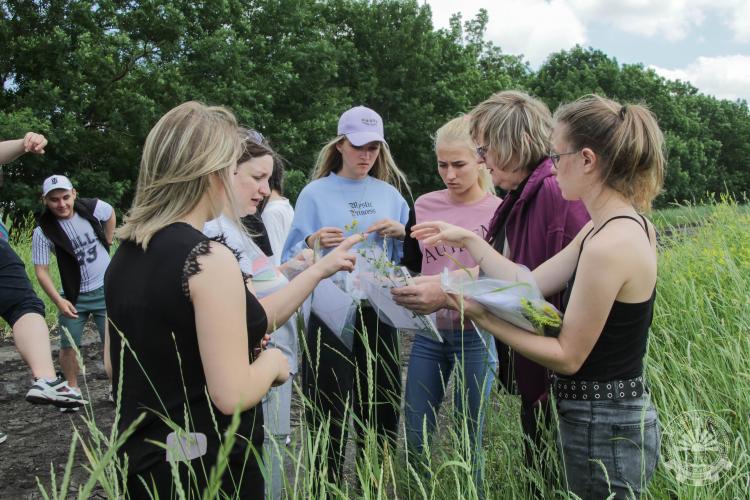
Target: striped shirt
91	254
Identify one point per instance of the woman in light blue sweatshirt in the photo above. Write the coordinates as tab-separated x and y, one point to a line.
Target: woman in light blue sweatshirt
356	184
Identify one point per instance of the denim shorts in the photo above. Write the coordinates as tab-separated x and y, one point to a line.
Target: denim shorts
608	446
88	304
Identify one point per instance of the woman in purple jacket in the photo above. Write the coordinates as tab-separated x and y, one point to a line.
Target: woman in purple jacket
533	223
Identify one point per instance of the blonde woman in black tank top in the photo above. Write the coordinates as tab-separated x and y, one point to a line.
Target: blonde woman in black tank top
610	157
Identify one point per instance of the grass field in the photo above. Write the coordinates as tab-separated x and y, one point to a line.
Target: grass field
697	371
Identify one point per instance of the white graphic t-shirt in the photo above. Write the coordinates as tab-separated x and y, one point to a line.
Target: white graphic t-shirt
91	254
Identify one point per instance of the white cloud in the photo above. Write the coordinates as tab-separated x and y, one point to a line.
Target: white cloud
673	20
670	19
739	22
565	20
534	28
726	77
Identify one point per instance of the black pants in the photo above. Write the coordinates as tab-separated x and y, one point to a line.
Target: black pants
337	383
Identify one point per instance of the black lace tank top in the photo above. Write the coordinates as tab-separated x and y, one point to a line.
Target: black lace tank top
619	351
148	302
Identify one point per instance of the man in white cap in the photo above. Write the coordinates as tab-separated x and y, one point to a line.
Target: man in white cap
21	308
79	232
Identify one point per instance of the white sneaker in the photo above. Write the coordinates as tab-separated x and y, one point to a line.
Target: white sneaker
72	409
57	393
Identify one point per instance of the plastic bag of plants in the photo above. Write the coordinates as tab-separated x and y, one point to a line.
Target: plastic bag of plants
517	302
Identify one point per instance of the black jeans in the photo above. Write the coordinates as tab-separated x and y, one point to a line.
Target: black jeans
337	384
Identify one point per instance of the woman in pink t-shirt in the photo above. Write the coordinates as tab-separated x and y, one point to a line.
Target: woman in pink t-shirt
468	201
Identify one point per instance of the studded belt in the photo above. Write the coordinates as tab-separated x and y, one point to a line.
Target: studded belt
582	390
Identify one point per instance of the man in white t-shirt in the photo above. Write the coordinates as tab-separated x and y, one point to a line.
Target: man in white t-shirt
79	232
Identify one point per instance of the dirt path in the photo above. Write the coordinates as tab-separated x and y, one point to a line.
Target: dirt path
39	436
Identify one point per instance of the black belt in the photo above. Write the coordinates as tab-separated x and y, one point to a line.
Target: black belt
582	390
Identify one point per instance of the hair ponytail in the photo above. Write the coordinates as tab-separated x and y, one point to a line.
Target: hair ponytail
627	140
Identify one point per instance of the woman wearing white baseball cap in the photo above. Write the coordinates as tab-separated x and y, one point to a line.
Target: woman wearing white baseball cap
356	184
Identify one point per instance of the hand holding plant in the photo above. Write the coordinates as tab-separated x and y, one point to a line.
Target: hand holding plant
326	237
423	297
388	228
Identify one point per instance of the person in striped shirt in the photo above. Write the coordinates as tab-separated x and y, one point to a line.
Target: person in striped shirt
79	232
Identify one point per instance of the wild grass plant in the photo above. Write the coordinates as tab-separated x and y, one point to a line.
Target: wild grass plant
20	239
697	372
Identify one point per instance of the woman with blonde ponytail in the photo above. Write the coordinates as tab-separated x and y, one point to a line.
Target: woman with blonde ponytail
610	157
469	201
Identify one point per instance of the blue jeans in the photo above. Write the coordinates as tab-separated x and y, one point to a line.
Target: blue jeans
621	436
430	366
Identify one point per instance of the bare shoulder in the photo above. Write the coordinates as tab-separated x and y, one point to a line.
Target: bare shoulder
624	252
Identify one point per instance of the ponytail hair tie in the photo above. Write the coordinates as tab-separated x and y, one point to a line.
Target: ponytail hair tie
623	110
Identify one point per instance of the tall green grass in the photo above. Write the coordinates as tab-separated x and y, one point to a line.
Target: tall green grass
20	232
697	371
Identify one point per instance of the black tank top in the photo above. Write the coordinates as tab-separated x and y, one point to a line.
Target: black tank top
619	350
148	301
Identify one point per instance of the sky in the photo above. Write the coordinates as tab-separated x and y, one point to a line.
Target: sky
704	42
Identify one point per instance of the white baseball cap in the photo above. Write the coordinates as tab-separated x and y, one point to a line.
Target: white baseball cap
56	182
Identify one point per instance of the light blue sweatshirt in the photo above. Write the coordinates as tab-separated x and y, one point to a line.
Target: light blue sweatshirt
335	201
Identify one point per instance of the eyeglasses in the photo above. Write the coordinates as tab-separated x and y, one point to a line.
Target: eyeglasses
481	151
254	136
555	157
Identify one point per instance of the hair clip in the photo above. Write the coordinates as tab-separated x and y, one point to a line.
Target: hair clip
254	136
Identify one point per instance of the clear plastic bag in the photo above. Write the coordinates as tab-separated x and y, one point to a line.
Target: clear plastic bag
517	302
376	276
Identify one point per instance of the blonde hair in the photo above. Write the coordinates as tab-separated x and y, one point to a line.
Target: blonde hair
329	160
514	127
457	131
627	140
186	145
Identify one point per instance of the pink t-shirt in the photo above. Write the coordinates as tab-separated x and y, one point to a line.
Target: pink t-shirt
474	216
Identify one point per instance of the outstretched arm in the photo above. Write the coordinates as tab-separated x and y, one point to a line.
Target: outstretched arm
280	306
550	277
30	143
601	274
